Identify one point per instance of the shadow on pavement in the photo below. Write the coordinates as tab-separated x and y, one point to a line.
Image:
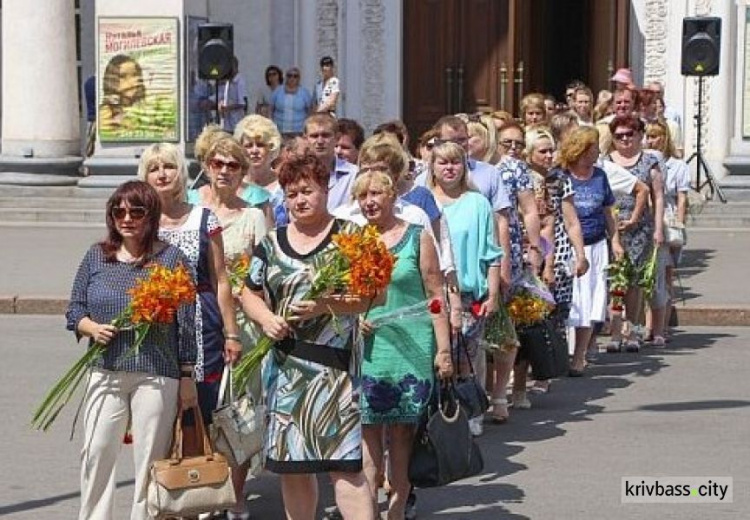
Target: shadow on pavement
50	501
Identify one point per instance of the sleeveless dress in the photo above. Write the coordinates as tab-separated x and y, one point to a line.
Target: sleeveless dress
397	375
314	422
638	242
193	238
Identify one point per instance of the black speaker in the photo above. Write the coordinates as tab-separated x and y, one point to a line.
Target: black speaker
215	50
701	45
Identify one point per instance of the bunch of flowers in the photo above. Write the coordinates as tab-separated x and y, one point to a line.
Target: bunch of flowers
154	302
619	276
526	308
238	269
360	265
647	278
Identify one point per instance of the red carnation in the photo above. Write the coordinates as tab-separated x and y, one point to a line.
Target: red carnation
476	308
128	439
435	306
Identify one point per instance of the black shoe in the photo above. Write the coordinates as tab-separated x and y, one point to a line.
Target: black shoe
410	511
575	373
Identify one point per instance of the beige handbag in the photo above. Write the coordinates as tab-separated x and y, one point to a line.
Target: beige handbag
191	485
238	424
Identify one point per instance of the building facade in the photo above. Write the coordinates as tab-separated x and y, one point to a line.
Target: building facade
408	59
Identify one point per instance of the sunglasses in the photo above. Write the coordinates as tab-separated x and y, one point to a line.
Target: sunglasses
218	164
135	212
292	75
623	135
512	143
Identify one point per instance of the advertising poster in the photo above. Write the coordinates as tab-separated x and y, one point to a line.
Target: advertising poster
138	79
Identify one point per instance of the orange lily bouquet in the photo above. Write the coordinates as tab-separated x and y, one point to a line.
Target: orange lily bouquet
526	308
360	265
154	302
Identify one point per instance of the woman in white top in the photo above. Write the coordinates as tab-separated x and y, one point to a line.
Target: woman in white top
327	90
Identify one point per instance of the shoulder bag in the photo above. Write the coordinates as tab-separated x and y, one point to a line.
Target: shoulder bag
238	424
186	486
444	450
545	349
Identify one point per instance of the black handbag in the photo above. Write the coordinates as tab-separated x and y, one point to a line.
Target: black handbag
470	393
545	349
444	449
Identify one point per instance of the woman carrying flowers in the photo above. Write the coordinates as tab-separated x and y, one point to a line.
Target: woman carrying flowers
400	357
473	236
314	420
143	388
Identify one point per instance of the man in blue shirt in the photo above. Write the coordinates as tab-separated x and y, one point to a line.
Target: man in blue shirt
322	135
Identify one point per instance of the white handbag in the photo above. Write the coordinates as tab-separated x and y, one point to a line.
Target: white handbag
674	232
187	486
238	424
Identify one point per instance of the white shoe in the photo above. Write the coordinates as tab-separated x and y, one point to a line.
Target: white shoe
520	401
476	426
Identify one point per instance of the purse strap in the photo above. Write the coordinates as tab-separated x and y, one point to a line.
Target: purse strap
461	343
226	380
200	429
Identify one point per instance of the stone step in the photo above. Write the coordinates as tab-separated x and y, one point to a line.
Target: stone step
52	202
48	215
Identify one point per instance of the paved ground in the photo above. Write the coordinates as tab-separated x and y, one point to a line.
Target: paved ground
683	411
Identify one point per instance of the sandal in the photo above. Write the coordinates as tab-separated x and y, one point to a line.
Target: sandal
614	347
659	342
632	345
520	401
499	405
542	386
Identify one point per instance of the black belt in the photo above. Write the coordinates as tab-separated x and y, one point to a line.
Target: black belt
322	354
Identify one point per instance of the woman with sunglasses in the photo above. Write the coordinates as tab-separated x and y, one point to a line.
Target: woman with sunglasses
144	389
641	236
290	104
197	232
274	78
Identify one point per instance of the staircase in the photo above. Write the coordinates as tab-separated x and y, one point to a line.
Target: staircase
55	205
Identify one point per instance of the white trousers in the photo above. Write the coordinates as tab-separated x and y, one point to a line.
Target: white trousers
149	402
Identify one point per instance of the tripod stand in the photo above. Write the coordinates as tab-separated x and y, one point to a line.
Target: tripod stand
700	162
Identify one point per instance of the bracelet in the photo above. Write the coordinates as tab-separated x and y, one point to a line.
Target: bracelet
232	337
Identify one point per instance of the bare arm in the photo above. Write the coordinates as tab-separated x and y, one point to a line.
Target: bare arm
429	267
220	282
657	198
529	211
682	206
613	233
573	227
503	236
640	191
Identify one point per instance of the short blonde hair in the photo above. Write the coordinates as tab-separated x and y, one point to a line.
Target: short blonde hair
482	126
450	151
534	135
165	153
576	144
258	128
377	177
207	137
229	146
533	100
660	128
384	147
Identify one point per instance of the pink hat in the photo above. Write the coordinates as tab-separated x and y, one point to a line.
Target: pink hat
622	76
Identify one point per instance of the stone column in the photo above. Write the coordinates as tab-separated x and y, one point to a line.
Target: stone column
40	119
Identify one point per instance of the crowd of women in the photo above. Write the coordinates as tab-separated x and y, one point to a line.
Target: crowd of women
485	203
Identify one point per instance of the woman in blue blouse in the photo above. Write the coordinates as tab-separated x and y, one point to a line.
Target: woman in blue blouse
144	389
477	254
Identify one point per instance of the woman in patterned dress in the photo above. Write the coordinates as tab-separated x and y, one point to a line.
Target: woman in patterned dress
197	232
312	398
398	358
243	227
638	238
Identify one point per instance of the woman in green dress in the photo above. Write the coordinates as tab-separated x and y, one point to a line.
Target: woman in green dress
314	423
399	356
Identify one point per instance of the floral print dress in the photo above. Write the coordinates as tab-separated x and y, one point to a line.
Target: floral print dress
397	374
312	397
638	241
516	178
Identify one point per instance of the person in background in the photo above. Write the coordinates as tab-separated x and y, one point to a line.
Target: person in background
482	138
145	389
622	79
232	98
351	136
570	90
274	78
290	104
583	105
550	105
328	89
532	110
321	135
604	105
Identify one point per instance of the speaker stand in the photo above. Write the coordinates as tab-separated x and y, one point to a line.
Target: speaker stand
697	156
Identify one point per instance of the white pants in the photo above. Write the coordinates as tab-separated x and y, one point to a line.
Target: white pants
113	398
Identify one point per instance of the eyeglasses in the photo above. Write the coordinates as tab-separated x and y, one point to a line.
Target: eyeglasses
512	143
135	212
218	164
623	135
292	75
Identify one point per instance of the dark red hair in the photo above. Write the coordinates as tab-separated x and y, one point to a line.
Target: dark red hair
133	193
303	166
632	122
